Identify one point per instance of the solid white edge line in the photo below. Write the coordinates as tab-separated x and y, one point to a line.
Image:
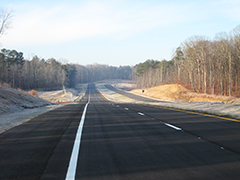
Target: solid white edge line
74	157
174	127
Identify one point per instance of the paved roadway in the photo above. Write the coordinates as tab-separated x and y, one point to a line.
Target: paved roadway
121	141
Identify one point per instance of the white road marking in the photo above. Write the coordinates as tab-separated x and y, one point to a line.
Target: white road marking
174	127
74	157
141	114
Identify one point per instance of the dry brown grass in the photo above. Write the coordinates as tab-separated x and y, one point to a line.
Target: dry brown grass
172	92
5	85
33	93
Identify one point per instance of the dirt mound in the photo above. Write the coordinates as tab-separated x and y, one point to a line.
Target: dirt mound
174	88
171	92
191	96
33	93
168	92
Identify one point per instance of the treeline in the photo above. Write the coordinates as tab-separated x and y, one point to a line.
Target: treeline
153	73
40	73
200	64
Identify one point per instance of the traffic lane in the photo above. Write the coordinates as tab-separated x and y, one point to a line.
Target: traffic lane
58	163
224	133
121	144
26	149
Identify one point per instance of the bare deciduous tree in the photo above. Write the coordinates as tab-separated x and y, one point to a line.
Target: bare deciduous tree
5	20
200	64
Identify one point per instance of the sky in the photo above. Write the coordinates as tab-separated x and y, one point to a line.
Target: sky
112	32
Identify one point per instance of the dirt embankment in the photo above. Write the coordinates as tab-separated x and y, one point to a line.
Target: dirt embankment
171	92
12	100
63	96
57	97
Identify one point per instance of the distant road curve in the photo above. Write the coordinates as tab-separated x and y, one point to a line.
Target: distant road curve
133	96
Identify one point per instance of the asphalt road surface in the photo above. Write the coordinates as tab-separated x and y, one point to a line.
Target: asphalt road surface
120	141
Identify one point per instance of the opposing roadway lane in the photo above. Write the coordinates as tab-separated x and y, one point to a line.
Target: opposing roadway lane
133	96
121	141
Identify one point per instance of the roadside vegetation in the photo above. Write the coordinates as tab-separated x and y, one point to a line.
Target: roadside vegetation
199	64
51	74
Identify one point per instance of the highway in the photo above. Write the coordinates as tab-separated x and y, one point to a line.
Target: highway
133	96
100	140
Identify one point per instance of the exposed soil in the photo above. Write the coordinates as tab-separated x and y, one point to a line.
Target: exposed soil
171	92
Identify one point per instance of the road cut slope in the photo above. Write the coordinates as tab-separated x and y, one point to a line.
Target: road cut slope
12	100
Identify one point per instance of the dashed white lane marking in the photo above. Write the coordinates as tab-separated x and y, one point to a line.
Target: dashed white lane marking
174	127
141	114
74	157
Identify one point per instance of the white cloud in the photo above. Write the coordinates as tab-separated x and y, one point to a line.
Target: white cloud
36	24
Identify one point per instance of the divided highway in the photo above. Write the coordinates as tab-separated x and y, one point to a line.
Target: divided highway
120	141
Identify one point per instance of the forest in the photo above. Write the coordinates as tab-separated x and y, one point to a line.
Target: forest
50	74
200	64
